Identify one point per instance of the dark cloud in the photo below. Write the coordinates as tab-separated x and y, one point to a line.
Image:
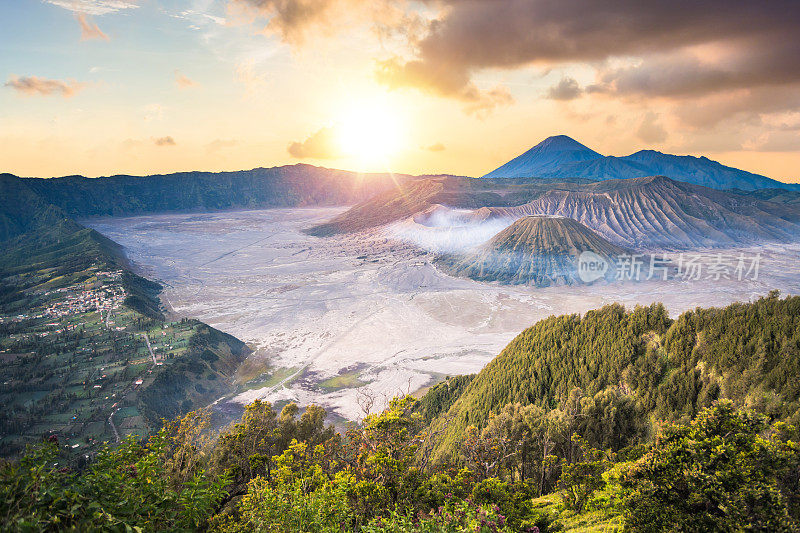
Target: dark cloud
566	89
511	33
442	82
290	18
741	106
319	145
650	131
164	141
757	43
685	75
295	21
676	50
89	30
36	86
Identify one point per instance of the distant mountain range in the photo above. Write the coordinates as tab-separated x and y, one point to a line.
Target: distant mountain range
651	212
657	212
534	250
561	157
286	186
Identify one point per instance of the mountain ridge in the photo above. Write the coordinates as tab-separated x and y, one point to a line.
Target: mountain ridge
298	185
544	162
649	212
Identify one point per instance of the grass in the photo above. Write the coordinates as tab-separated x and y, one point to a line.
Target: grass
269	379
589	521
73	363
348	380
602	513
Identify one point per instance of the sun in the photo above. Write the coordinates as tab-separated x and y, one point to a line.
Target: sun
370	132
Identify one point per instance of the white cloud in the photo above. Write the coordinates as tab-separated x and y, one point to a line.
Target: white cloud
95	7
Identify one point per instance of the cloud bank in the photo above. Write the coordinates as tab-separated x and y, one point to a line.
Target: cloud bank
36	86
320	145
676	51
95	7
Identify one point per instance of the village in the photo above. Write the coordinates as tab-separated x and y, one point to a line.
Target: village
102	292
105	293
75	362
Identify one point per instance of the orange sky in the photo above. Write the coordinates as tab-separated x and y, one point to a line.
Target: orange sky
96	87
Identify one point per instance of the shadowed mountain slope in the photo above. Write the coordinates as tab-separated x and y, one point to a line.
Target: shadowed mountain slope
660	212
778	195
287	186
534	250
386	207
22	210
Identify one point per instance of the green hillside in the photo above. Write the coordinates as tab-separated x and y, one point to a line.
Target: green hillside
568	429
749	353
75	324
22	211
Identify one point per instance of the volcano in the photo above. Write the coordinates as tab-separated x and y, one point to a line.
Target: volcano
534	250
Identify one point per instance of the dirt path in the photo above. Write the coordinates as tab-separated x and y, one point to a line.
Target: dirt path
150	348
113	426
127	390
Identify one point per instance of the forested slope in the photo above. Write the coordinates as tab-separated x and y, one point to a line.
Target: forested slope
564	431
202	374
749	353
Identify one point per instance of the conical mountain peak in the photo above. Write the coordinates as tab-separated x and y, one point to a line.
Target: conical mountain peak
562	143
545	157
562	157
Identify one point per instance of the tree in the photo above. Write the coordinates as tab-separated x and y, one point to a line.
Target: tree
456	516
382	452
727	471
496	449
300	498
125	489
582	477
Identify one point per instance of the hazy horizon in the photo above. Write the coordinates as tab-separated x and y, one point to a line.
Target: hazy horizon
338	168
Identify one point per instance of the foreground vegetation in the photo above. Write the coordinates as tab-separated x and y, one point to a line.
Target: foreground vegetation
636	367
728	470
639	424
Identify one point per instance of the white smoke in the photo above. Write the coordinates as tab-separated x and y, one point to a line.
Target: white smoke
445	230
